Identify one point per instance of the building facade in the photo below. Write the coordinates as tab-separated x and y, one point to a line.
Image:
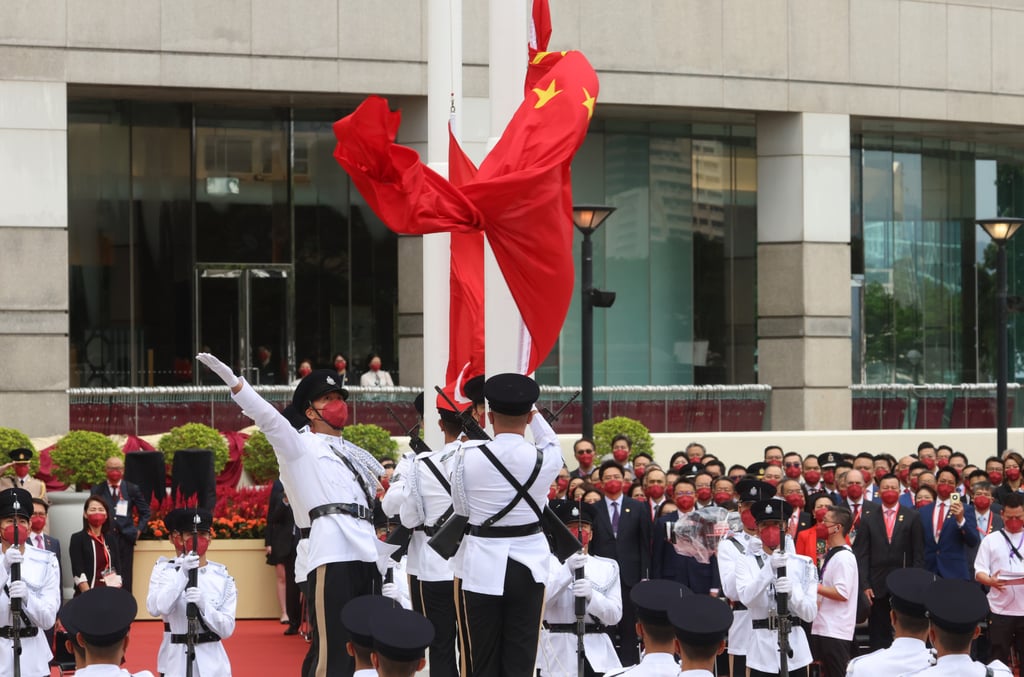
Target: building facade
796	184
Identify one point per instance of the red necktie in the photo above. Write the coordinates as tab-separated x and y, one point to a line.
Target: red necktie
938	523
890	522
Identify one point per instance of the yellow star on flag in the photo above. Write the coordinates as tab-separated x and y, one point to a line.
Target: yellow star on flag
588	103
545	95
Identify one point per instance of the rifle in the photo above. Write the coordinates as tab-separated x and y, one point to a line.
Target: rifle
192	611
16	602
785	624
551	418
580	609
416	442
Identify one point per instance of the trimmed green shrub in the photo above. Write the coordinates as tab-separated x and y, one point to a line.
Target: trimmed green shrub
11	439
606	430
373	438
195	436
80	458
260	460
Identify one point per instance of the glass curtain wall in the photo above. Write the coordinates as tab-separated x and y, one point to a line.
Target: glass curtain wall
679	252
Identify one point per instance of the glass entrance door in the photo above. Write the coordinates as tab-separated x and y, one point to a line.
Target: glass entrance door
244	317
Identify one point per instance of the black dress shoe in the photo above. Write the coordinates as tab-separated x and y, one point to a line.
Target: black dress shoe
292	630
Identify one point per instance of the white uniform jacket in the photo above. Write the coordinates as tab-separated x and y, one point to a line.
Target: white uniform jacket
961	665
109	670
41	574
651	665
557	654
755	588
220	597
906	654
730	550
156	578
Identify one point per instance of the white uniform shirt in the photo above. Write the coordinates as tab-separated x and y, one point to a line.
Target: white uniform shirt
156	578
367	672
480	562
313	475
994	554
961	665
557	654
755	587
906	654
419	498
838	619
220	596
740	632
651	665
108	670
40	572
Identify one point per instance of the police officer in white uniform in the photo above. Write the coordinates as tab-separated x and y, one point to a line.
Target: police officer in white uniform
909	618
38	588
331	485
101	619
420	493
502	563
955	608
652	600
758	584
599	586
701	624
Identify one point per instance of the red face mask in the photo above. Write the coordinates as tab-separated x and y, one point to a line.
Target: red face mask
915	484
821	531
599	485
678	465
1013	474
903	475
704	494
201	544
583	536
748	520
114	476
855	491
795	500
335	414
339	365
793	471
21	470
722	497
9	534
1013	524
812	477
866	474
890	496
842	494
639	471
585	459
774	482
304	372
655	492
829	476
562	483
38	522
930	462
923	502
777	462
613	487
375	366
983	503
819	514
685	502
880	473
96	519
942	462
770	536
995	477
552	492
620	455
944	491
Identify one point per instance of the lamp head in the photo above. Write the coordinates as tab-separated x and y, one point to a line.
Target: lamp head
1000	230
587	218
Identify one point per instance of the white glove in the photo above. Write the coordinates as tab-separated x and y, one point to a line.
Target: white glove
582	588
12	556
576	561
390	590
783	585
778	559
189	562
195	596
17	589
219	368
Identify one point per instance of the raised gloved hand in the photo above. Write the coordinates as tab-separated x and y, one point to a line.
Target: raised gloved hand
12	556
195	596
778	559
17	589
219	368
783	585
390	590
189	562
582	588
576	561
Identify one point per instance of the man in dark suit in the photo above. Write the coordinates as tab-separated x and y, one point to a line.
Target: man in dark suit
124	498
793	492
854	483
622	531
583	449
890	538
950	529
986	515
668	564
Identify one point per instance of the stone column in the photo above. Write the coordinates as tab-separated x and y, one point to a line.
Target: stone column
803	268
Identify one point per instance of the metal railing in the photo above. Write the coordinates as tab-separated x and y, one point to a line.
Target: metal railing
889	406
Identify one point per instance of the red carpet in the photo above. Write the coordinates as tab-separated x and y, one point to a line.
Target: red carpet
257	648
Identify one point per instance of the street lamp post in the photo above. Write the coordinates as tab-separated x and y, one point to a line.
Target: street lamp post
587	219
1001	230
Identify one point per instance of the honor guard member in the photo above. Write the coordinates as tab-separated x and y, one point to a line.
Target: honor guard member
38	588
356	617
332	485
599	586
652	600
400	641
502	564
757	585
730	550
172	522
214	595
909	617
102	618
701	624
420	493
22	480
955	608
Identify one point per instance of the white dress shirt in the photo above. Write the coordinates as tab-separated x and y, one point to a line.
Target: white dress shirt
651	665
906	654
838	619
961	665
994	554
109	670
